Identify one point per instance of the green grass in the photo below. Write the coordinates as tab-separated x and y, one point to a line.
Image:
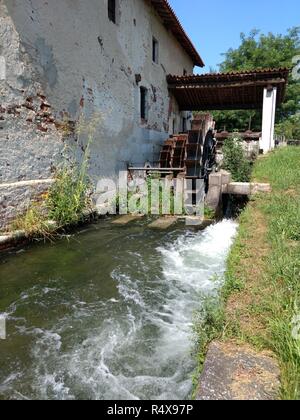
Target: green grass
261	295
69	196
209	213
274	287
34	223
64	204
207	324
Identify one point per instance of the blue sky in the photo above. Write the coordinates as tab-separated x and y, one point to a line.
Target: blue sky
215	26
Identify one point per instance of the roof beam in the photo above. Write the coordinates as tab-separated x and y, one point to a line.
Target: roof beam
227	91
228	85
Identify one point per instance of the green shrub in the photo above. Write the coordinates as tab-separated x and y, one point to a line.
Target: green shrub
235	160
68	197
209	213
290	128
64	204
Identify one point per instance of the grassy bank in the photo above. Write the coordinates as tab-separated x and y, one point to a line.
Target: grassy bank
261	298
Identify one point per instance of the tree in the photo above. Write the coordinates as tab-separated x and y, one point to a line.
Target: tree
290	128
259	51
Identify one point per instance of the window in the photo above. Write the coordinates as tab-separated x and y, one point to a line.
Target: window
184	72
155	50
112	10
174	126
144	94
184	125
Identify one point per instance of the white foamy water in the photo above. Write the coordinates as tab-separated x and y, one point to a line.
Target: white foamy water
136	345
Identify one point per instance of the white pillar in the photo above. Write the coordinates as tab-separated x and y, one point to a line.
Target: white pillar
267	142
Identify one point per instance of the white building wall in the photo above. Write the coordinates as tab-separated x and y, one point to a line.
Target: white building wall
68	55
88	64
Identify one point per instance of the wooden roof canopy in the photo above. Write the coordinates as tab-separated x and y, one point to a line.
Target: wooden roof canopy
172	23
227	91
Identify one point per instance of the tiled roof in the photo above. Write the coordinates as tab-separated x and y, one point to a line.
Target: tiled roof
238	76
236	90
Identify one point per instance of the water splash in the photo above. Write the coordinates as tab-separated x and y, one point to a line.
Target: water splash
134	345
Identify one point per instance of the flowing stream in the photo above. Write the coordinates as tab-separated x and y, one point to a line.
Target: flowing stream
108	312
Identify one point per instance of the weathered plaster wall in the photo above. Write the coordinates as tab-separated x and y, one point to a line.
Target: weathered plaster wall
87	63
29	141
15	198
30	144
65	58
